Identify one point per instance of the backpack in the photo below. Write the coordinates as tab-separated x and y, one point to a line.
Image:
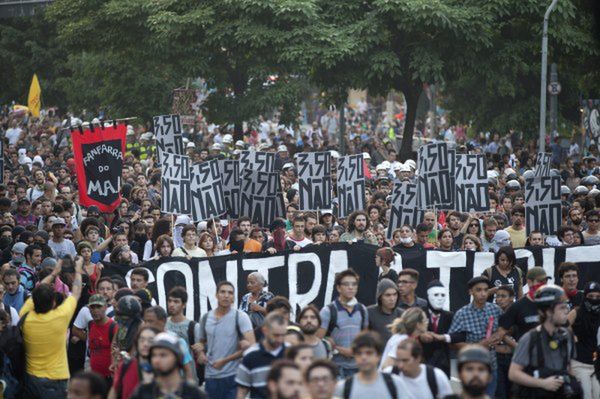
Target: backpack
12	344
431	380
29	275
204	318
389	383
333	318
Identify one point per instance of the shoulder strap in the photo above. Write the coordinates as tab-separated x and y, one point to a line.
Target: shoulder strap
332	318
203	325
111	330
21	322
363	314
431	380
190	332
184	251
389	383
240	335
488	273
124	368
328	348
395	370
348	387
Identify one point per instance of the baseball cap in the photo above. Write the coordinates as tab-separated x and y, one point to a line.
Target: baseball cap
97	300
537	272
58	221
282	148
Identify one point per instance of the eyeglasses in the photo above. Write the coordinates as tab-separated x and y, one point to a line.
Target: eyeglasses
473	225
349	284
317	380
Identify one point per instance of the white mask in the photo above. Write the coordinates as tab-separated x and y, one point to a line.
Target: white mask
436	297
406	240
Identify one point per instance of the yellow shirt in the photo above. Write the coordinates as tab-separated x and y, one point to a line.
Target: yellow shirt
45	340
518	238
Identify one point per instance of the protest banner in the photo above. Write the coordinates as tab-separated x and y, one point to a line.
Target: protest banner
98	154
350	184
404	208
436	176
307	276
169	136
542	164
543	208
314	180
208	200
175	184
471	184
261	199
259	161
230	177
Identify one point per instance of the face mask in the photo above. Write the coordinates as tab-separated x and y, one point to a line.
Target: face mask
592	305
18	259
406	240
436	296
533	289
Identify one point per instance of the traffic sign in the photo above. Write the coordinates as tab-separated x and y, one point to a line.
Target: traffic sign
554	88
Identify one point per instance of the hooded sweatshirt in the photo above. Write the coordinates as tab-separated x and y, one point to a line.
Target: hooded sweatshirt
378	319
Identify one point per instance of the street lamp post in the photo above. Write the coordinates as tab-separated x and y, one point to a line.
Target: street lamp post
544	76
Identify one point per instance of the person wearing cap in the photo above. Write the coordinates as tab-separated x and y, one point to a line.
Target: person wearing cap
101	330
523	315
147	147
282	157
166	359
17	256
479	320
585	322
60	245
540	364
474	372
383	313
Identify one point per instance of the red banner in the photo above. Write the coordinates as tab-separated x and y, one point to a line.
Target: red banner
98	155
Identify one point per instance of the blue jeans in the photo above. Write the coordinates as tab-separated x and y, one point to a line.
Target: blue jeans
44	388
346	372
491	389
225	388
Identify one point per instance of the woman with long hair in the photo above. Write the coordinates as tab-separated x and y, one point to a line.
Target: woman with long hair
471	243
473	226
207	243
164	247
411	324
136	368
384	257
504	271
445	240
162	226
93	270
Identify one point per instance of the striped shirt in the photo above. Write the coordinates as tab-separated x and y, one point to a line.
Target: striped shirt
255	367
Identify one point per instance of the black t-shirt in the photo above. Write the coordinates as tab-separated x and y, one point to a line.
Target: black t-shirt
520	317
576	300
151	391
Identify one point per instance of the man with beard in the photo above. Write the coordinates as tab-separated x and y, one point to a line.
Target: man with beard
37	190
576	219
309	321
166	358
358	229
284	380
474	372
517	229
436	341
585	321
455	225
383	313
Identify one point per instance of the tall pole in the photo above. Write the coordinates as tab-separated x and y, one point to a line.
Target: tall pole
553	101
544	76
342	128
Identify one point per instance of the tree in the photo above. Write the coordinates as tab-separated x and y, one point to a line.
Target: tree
499	87
236	45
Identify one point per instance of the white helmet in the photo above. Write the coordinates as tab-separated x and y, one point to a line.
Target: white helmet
228	139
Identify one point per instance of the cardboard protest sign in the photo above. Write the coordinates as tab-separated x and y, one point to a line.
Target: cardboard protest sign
350	184
208	200
259	161
98	154
543	208
471	184
542	164
176	184
404	208
260	198
230	177
436	176
314	180
169	136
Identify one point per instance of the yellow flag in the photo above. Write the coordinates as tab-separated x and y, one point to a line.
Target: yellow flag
34	100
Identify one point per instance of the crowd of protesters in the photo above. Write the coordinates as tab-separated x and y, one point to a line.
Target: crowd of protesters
66	329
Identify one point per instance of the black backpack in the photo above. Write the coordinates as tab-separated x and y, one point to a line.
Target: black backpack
431	381
333	318
389	383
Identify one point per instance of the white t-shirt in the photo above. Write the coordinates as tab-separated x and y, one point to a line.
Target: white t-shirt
391	346
14	315
418	388
194	253
13	135
85	316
